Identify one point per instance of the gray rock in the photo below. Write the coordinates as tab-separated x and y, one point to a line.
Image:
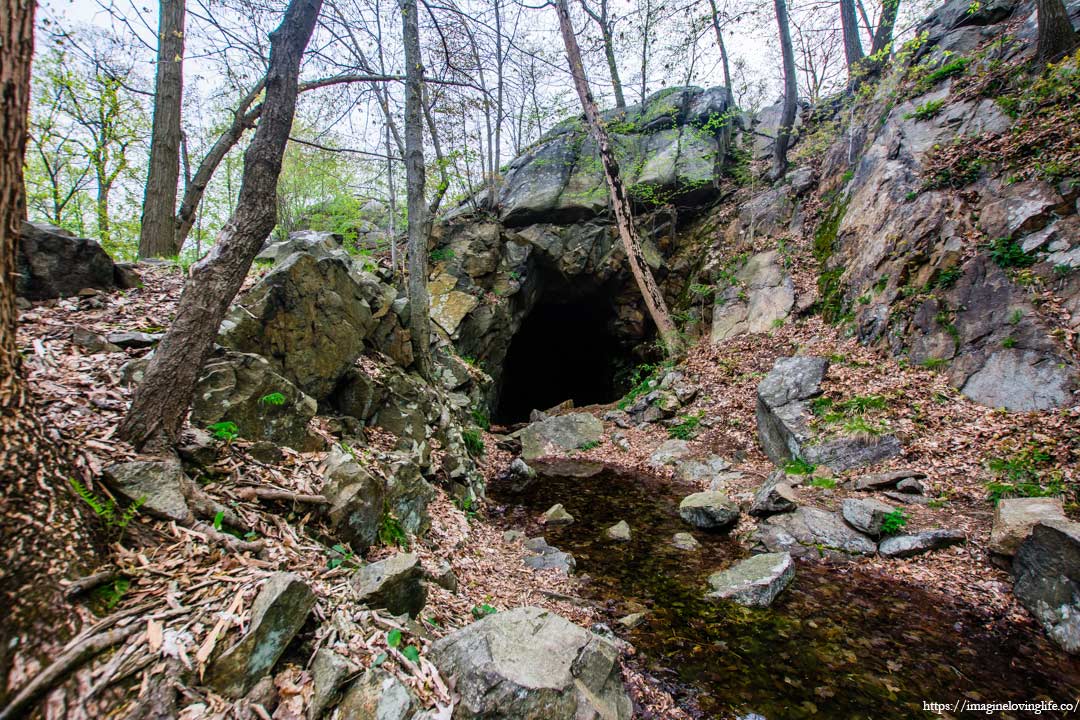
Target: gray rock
377	695
556	515
91	341
700	470
619	532
1014	519
670	452
776	495
761	297
512	536
244	389
632	620
444	576
911	486
1019	208
891	479
1020	380
395	584
685	541
134	339
531	664
157	484
560	434
709	510
278	613
319	244
548	557
520	475
754	582
866	515
51	263
328	673
1046	574
813	533
903	546
356	501
197	447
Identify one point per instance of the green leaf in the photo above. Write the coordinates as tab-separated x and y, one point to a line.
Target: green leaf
393	638
218	519
412	652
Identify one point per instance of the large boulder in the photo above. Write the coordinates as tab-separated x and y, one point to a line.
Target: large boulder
560	434
709	510
783	421
51	262
356	500
279	611
1014	519
395	584
813	533
531	664
1046	574
760	298
754	582
244	389
309	316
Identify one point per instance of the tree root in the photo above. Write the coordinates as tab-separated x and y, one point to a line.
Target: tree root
272	494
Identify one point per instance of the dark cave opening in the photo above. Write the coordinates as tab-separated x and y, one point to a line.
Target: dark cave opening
563	351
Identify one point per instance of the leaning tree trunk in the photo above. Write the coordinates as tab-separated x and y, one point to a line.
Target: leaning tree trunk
624	219
157	234
720	45
161	402
853	51
1056	35
44	530
791	89
419	304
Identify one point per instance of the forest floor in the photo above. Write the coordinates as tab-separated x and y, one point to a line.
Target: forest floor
190	593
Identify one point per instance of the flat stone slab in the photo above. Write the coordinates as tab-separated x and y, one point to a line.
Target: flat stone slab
813	533
754	582
1046	571
396	584
560	434
904	546
547	557
685	541
709	510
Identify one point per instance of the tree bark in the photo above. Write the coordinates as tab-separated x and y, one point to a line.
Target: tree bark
720	44
157	234
605	23
419	303
883	34
162	400
624	219
853	51
46	533
1057	38
787	116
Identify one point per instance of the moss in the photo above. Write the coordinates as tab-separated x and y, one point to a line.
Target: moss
830	287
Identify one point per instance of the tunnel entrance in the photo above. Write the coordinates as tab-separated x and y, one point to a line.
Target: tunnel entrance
563	351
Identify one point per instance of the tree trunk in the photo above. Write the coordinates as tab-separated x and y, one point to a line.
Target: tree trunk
419	304
883	34
720	45
787	117
853	51
157	234
624	219
606	25
1056	35
161	402
46	533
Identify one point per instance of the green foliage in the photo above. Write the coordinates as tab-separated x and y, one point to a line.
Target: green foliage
219	518
106	508
393	638
822	482
466	505
1007	253
391	531
642	379
935	363
589	445
798	466
1024	473
275	398
687	427
411	653
482	611
226	431
952	68
947	278
893	522
480	417
927	110
1009	342
474	441
830	288
338	556
110	594
441	255
702	291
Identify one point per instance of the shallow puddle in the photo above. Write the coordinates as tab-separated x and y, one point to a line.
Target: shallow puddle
837	643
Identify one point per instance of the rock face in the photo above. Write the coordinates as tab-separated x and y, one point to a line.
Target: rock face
559	434
279	611
760	298
902	546
356	501
812	533
51	262
783	420
1014	519
709	510
531	664
395	584
244	389
754	582
1046	575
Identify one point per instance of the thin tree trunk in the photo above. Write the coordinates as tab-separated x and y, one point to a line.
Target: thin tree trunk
853	51
419	305
787	116
161	402
46	533
157	234
883	36
603	20
624	219
720	45
1057	38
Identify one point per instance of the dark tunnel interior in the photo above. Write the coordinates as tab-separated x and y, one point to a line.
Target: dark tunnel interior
563	351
